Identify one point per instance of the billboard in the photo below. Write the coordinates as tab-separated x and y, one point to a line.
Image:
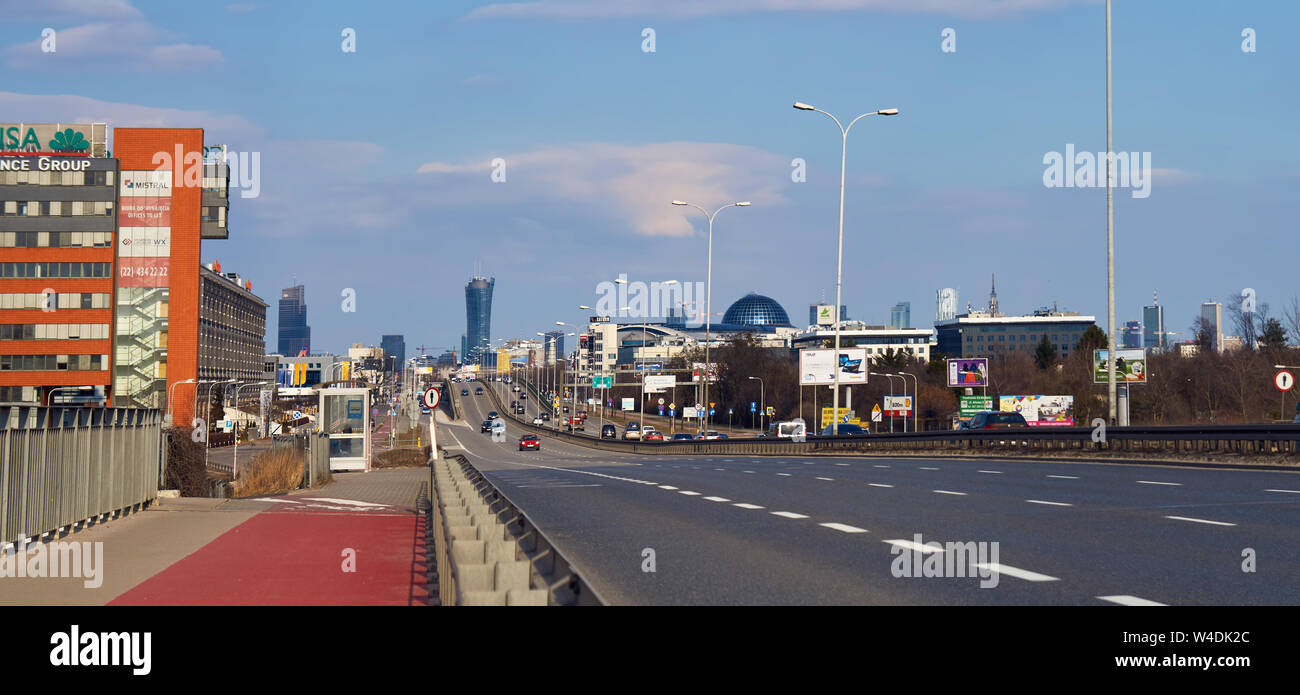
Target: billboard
659	382
898	405
846	415
1130	366
629	404
56	138
817	366
969	405
698	369
1041	411
972	371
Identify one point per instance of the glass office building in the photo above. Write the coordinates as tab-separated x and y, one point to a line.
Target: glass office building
295	334
478	316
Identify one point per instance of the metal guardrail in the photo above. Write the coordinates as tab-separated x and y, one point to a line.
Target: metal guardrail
1180	439
63	467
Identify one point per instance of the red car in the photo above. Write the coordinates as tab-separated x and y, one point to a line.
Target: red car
654	436
529	441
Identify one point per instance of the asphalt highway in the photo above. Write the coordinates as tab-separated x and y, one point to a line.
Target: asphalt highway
844	530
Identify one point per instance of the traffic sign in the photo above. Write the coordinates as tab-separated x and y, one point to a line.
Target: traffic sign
753	406
432	396
661	410
672	412
1284	380
672	406
661	401
297	414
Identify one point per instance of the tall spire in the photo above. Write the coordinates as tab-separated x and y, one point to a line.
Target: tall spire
993	298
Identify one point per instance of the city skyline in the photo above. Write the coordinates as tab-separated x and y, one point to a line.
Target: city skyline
948	173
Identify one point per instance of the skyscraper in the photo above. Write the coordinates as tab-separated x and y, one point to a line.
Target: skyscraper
1153	325
394	346
295	334
1212	322
554	346
900	316
993	299
478	316
1132	335
945	304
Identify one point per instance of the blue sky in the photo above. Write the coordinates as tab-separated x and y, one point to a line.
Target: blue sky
376	165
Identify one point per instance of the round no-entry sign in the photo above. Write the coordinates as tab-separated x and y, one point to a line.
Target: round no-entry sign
431	397
1284	380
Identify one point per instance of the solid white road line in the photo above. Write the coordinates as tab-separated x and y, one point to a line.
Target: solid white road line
1200	521
914	546
821	478
1054	504
1156	482
667	487
687	492
879	485
790	515
744	505
843	527
1126	600
948	492
1065	477
717	499
1294	492
1015	572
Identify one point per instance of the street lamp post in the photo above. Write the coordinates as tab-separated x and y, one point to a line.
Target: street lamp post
234	468
839	262
708	294
891	392
762	400
207	422
916	396
170	409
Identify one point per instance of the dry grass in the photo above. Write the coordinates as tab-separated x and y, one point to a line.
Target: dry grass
275	472
401	458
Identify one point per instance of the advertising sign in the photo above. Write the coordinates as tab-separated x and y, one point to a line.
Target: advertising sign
969	405
698	370
817	366
898	405
688	412
146	211
60	138
968	372
1130	366
629	404
660	382
825	315
846	415
1041	411
144	246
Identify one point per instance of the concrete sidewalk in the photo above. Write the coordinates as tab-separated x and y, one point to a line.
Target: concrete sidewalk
286	550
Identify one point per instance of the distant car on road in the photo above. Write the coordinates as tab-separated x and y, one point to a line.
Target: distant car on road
519	410
529	441
632	431
652	436
538	420
464	392
711	434
493	414
683	437
609	432
992	420
478	391
485	427
846	429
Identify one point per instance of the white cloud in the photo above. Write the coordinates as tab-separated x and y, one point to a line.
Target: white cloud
71	108
633	184
25	10
133	44
603	9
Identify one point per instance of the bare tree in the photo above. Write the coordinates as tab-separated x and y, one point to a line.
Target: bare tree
1292	316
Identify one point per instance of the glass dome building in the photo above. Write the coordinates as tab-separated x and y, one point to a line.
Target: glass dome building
756	310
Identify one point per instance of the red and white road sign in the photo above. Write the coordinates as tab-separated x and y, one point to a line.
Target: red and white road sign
431	397
1284	380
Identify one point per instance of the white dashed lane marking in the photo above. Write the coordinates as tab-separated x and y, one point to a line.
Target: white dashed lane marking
999	472
1200	521
687	492
843	527
784	474
667	487
1065	477
717	499
1294	492
744	505
790	515
879	485
1054	504
929	468
821	478
914	546
1126	600
1156	482
1015	572
948	492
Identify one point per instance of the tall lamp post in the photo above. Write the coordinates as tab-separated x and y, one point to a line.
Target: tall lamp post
762	400
916	396
839	262
170	409
1110	244
708	293
234	468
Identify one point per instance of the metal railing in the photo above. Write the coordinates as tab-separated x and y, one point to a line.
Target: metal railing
64	467
1240	440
